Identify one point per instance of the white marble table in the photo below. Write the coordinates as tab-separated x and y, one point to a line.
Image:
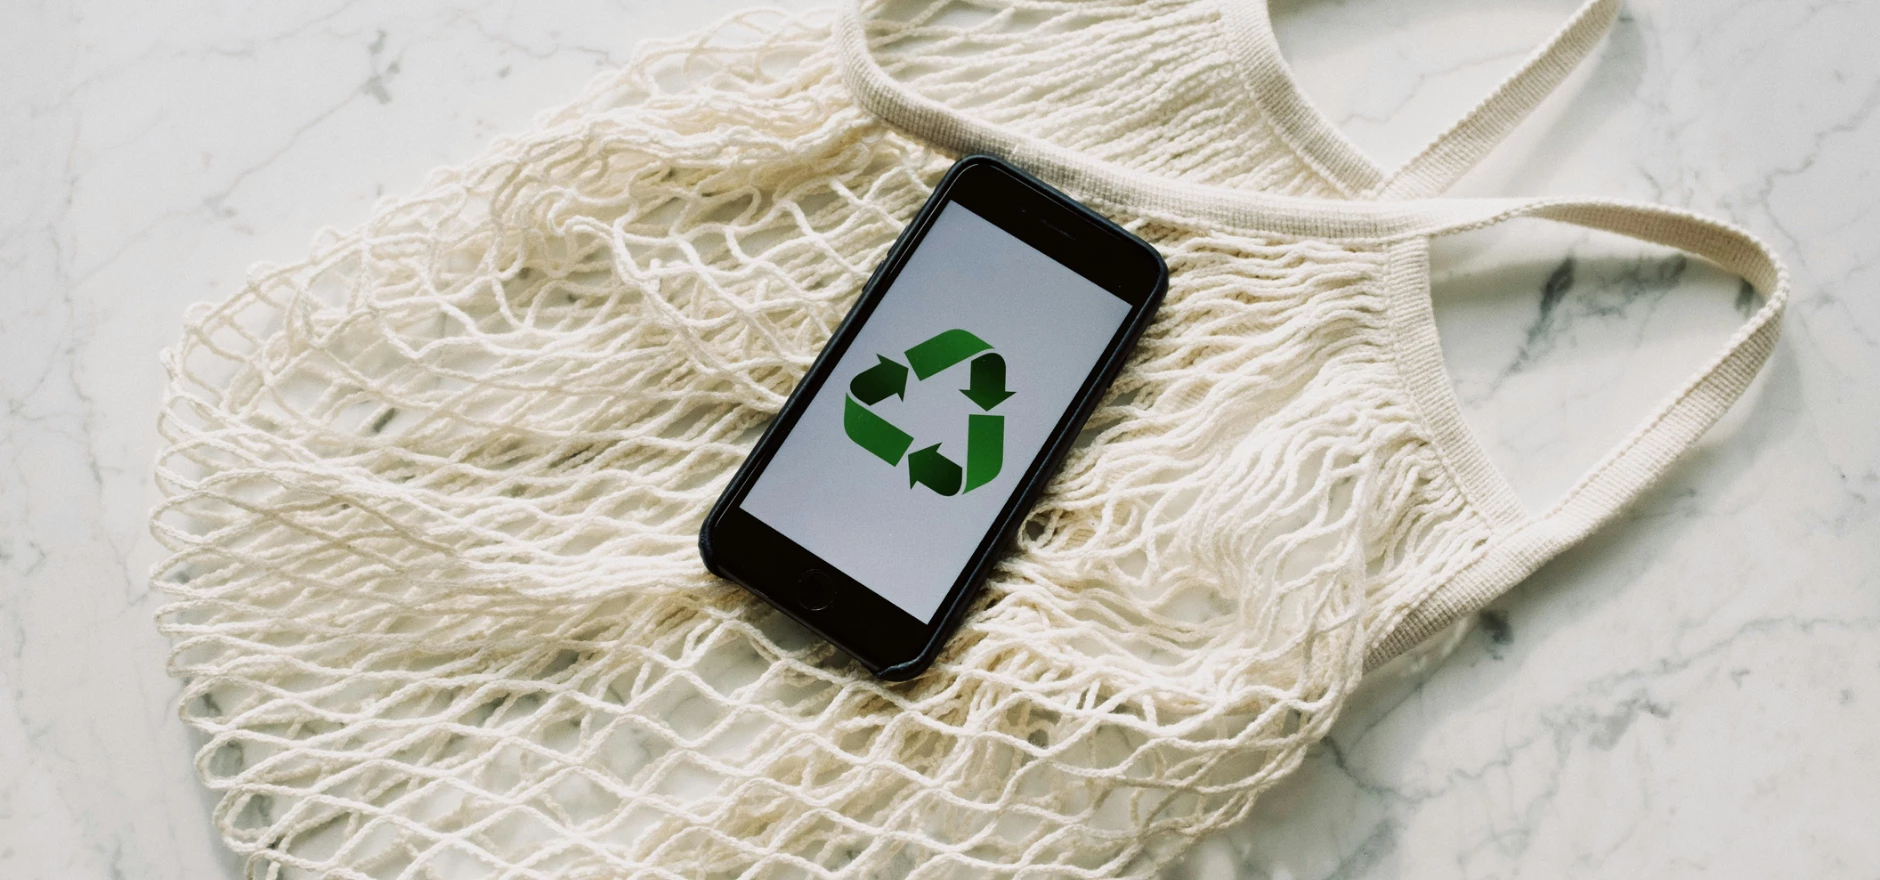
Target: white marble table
1694	692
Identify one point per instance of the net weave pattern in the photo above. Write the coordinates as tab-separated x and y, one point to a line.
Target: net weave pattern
432	495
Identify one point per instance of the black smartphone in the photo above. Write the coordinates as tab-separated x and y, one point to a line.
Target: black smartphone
883	492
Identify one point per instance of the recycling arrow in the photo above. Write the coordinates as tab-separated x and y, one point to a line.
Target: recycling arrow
935	471
882	381
985	454
988	381
985	434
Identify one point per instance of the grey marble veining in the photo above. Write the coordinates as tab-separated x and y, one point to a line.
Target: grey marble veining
1695	691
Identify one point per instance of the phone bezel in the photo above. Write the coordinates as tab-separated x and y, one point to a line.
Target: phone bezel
888	641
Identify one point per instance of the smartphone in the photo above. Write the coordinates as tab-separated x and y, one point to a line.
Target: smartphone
883	492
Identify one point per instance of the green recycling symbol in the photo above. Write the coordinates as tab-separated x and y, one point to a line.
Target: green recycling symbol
985	433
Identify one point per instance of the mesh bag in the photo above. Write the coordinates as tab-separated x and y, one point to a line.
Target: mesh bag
433	492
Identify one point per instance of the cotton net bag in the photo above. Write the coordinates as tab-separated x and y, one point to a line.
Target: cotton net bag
433	492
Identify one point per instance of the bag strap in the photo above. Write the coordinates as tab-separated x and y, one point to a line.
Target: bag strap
1644	456
1451	154
1248	30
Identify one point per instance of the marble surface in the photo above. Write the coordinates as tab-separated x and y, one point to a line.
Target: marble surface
1696	691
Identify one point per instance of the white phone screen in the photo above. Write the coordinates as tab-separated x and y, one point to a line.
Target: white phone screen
900	463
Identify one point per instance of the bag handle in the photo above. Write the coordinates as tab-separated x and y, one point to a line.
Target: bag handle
1644	456
1459	148
1248	29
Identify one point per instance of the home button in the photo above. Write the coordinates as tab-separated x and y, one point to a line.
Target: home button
816	591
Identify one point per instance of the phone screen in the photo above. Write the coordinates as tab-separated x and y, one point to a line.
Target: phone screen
902	461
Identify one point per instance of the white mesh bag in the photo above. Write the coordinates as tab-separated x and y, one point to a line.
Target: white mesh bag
432	493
